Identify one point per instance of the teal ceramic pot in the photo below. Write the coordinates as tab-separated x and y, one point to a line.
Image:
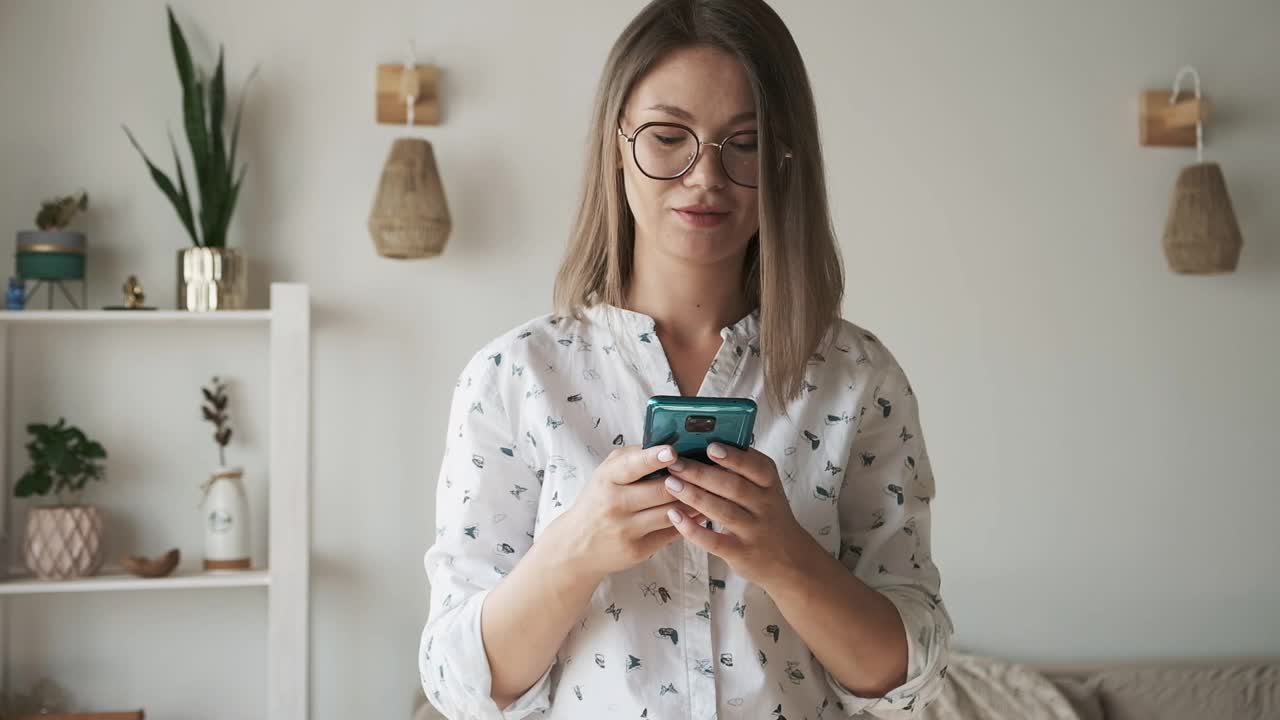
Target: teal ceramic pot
50	255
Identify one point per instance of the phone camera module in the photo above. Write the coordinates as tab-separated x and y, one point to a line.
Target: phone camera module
699	423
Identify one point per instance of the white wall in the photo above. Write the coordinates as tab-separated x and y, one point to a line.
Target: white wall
1101	428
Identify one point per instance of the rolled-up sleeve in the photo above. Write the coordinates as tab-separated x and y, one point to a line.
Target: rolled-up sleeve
486	508
884	520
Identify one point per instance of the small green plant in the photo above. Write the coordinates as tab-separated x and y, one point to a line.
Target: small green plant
62	460
217	181
56	213
216	412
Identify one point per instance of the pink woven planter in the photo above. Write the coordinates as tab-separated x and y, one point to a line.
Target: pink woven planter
63	542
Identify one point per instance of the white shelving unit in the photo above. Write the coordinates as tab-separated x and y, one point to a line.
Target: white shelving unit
286	579
100	317
111	579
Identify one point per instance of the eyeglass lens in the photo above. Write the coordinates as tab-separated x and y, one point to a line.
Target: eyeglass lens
667	151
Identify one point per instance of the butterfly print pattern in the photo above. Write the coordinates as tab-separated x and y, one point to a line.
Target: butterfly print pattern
680	636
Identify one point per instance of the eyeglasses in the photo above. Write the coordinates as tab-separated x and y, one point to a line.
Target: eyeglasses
666	151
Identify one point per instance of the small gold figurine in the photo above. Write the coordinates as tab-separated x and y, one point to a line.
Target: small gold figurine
133	295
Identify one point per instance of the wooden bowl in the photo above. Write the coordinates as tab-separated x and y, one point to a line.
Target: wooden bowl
152	567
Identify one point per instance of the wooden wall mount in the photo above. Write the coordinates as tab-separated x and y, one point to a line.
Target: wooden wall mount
391	106
1166	124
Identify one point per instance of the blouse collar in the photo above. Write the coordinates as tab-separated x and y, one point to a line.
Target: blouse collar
637	324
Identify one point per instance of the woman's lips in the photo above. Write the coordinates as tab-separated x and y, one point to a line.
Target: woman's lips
702	219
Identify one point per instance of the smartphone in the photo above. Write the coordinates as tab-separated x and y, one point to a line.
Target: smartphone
690	424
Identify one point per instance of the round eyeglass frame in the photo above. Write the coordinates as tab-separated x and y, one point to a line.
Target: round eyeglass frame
696	155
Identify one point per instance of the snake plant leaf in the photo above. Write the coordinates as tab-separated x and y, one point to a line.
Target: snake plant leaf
192	106
219	180
231	200
184	209
180	202
235	128
217	103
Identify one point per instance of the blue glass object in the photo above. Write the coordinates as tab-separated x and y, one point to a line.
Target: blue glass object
15	298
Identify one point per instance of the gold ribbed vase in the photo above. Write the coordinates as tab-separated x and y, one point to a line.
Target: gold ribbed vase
212	278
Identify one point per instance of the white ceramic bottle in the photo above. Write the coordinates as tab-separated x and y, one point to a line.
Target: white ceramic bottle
226	521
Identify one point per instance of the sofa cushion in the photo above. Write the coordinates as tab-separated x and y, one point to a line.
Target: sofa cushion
1083	696
1189	692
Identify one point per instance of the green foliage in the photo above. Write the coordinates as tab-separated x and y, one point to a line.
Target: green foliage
56	213
62	460
217	181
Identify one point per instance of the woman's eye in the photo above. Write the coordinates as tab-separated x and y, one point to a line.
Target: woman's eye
667	140
745	146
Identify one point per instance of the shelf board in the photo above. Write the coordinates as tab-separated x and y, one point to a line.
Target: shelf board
134	317
114	579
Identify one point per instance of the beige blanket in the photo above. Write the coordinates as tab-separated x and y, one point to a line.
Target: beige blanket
991	689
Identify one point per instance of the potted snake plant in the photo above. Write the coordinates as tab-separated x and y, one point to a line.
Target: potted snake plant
211	275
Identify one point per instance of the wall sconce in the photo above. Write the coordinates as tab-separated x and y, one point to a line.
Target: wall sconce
1201	235
410	216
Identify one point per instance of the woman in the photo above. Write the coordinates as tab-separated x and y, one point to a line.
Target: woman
791	579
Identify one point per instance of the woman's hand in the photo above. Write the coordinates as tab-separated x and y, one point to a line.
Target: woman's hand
742	493
619	520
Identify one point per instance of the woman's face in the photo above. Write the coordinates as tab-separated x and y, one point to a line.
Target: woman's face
701	217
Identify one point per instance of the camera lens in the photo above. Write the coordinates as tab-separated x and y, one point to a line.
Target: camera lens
699	423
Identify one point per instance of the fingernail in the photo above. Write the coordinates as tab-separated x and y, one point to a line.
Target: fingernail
676	517
678	465
674	484
717	451
665	454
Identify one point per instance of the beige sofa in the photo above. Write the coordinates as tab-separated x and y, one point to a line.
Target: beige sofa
984	688
1232	689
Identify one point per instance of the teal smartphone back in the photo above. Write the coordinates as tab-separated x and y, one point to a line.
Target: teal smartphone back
690	424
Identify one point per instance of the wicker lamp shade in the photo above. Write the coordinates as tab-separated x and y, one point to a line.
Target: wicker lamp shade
1201	235
410	218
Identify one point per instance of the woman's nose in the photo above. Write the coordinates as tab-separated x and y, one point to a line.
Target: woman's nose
707	170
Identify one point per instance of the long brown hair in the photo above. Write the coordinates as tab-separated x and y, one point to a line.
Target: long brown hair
793	271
